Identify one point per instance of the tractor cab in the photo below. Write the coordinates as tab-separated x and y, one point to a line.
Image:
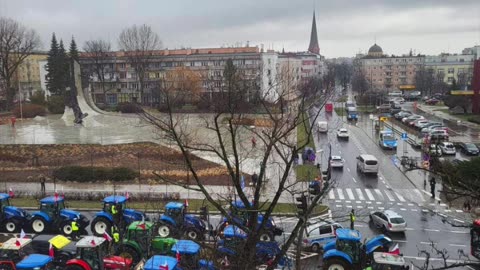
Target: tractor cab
386	261
35	262
4	201
175	211
52	206
120	203
189	255
161	262
92	253
350	243
11	218
14	250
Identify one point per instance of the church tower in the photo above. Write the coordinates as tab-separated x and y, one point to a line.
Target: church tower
313	47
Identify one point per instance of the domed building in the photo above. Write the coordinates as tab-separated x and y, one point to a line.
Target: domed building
375	51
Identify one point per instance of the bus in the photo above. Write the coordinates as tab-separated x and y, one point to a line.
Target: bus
475	239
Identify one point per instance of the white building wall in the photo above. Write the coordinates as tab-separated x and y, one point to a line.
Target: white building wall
269	89
43	72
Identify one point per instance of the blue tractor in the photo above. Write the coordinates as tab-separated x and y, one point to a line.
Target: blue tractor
53	217
175	222
240	216
121	216
234	241
348	252
12	218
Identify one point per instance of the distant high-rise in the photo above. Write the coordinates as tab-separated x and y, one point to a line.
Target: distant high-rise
313	47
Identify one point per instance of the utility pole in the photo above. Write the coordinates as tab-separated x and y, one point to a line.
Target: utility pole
302	214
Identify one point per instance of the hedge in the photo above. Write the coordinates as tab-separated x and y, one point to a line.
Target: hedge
29	110
128	107
94	174
56	104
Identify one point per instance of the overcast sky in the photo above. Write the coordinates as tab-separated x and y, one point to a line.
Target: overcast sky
345	27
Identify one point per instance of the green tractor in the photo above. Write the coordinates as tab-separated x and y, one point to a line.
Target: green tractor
139	242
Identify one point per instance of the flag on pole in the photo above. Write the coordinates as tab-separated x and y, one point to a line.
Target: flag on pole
56	196
178	256
127	195
93	242
17	243
186	203
164	266
51	252
142	224
22	234
107	237
10	193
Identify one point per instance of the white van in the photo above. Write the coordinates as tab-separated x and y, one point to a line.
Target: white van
367	164
322	126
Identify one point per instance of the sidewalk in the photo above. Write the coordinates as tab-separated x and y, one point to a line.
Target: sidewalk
434	110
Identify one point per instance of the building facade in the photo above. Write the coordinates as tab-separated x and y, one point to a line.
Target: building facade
28	75
388	73
452	67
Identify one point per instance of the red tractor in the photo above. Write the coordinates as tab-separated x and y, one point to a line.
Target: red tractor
92	254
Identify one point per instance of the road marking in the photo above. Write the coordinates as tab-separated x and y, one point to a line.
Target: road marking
359	206
340	194
360	194
400	197
409	229
401	241
459	231
410	204
420	195
413	210
349	206
353	178
457	245
425	210
348	201
379	193
338	205
358	202
448	210
428	243
443	204
348	169
442	215
403	209
368	202
389	195
369	195
350	194
458	220
379	202
458	211
370	207
431	230
331	195
399	204
381	208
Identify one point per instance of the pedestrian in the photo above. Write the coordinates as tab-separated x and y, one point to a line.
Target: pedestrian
42	179
352	219
254	142
10	193
13	119
254	178
74	229
114	211
467	206
432	186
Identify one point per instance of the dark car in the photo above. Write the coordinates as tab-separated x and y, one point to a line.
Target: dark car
41	245
469	149
432	101
402	114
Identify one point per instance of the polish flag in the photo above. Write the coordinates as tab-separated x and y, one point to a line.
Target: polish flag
164	266
51	252
178	256
17	243
93	242
55	195
10	193
107	237
142	224
186	203
127	195
22	234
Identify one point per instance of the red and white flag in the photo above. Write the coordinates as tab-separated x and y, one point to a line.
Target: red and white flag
178	256
127	195
11	193
17	243
164	266
22	234
142	224
93	242
186	203
55	195
51	252
107	237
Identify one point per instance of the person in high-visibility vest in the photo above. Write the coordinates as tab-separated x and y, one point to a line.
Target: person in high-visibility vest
352	219
115	215
115	234
75	229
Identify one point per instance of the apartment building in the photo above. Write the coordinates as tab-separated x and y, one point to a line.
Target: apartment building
452	67
28	74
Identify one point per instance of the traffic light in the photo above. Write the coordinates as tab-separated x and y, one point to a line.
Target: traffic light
302	207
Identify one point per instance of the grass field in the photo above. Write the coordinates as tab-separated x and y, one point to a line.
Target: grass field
306	172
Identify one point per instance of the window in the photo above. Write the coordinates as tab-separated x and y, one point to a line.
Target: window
157	75
462	60
326	230
450	79
123	85
123	75
204	63
461	70
451	70
111	98
121	65
217	63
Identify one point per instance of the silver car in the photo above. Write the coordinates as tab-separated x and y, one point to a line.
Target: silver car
388	221
337	162
318	234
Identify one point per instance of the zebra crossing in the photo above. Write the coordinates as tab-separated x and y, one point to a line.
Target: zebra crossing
386	195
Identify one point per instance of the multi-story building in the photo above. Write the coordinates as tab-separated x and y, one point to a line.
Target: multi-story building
389	73
28	75
452	67
475	50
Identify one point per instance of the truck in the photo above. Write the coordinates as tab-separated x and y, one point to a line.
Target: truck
352	113
387	140
322	126
12	218
104	220
52	216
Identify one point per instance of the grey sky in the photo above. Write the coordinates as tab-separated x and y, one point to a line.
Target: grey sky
344	27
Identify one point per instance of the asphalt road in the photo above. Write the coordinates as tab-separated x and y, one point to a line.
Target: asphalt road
390	190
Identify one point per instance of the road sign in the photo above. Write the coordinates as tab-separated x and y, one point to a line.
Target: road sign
404	136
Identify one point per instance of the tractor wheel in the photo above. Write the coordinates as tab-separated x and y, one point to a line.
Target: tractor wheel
336	264
73	267
266	237
129	252
316	248
38	224
66	228
11	226
100	225
164	230
193	234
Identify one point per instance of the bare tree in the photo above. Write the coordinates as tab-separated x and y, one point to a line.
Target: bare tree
445	260
97	53
16	43
139	42
225	135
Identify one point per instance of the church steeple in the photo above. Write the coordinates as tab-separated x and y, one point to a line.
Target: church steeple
313	47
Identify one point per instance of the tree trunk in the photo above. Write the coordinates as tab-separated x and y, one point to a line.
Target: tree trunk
10	94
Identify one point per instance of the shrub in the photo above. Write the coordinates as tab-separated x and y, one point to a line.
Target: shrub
94	174
56	104
474	119
29	110
38	98
128	107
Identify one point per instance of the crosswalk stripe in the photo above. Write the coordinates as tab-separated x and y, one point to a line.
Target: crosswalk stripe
350	194
369	194
379	193
389	195
331	194
400	197
340	194
420	195
360	194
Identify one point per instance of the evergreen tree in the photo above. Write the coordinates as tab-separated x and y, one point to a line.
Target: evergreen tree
64	64
52	80
73	50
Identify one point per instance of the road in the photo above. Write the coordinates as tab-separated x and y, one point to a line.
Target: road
391	190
